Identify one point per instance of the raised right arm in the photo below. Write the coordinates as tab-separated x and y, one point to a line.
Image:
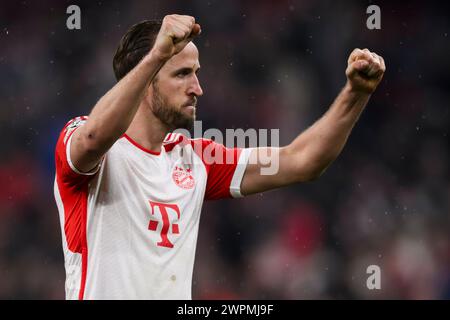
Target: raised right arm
113	113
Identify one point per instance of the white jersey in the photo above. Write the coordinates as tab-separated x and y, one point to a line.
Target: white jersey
129	228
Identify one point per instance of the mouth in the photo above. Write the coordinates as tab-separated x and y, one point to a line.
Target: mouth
191	104
190	109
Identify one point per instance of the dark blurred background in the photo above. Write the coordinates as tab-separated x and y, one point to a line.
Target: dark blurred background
265	64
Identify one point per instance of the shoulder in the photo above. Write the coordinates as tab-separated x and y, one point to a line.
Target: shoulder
71	126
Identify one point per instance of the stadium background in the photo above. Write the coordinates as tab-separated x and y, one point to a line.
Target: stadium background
265	64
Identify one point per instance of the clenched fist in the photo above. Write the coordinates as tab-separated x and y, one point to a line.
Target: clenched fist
175	33
365	70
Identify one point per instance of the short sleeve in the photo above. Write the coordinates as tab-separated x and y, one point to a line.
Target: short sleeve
225	168
65	168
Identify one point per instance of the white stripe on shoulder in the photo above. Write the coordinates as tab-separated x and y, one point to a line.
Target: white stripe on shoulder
72	166
235	185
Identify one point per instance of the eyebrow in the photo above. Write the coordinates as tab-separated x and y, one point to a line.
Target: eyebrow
185	69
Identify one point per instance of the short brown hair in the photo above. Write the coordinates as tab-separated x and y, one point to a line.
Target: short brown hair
134	45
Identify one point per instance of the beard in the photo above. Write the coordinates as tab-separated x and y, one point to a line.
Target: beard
170	115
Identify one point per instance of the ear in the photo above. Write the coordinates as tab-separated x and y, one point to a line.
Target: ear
147	98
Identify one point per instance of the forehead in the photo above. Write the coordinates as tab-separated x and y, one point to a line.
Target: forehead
186	58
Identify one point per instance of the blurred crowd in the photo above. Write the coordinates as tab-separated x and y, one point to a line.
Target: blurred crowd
265	64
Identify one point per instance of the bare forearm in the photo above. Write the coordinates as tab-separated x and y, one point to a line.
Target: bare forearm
318	146
307	157
113	113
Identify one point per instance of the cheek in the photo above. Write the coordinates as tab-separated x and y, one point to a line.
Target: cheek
173	91
176	93
170	87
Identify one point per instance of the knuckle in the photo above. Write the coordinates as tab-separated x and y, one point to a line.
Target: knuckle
188	19
168	21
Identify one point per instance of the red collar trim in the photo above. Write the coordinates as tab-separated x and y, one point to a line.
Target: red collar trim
141	147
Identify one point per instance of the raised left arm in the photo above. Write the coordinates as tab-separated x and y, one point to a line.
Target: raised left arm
310	154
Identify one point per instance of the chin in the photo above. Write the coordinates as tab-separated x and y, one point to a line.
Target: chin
184	123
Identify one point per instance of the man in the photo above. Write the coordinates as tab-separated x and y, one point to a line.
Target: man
129	190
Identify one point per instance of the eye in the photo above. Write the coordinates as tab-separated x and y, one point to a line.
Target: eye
183	73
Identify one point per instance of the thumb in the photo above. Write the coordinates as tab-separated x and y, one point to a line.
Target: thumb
196	30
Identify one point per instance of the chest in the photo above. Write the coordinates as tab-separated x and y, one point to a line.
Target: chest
166	177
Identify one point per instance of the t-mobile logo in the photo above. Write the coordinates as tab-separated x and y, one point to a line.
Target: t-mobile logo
166	222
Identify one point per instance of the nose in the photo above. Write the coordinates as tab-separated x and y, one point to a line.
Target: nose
194	87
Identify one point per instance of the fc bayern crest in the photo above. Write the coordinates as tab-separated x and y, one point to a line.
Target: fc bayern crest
183	177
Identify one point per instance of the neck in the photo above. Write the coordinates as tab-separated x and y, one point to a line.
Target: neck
147	130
